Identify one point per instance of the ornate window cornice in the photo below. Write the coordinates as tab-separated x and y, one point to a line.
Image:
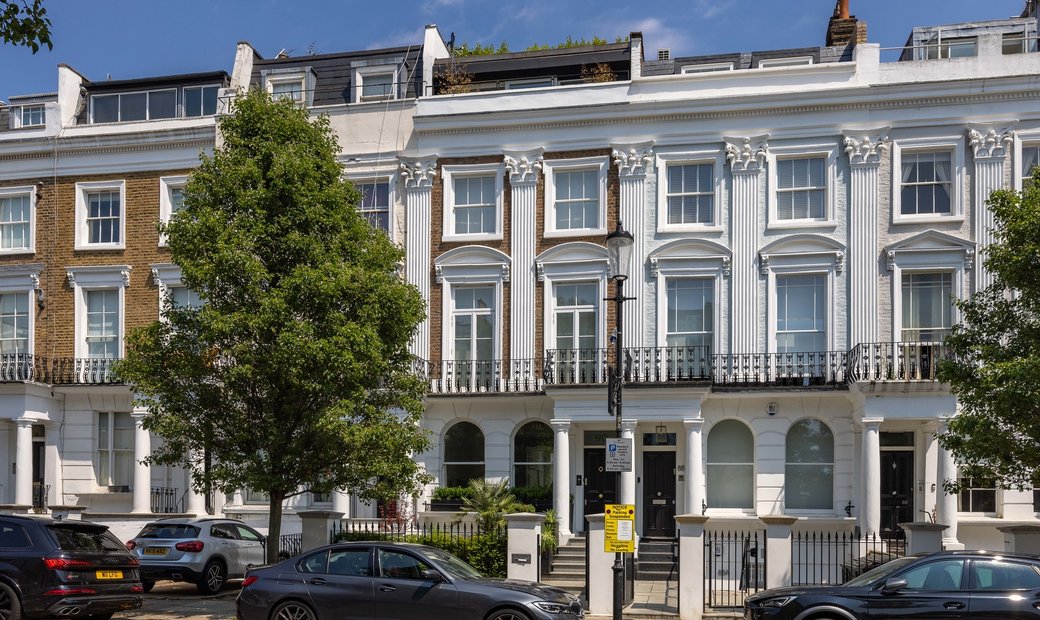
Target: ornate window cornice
990	143
865	150
523	167
633	159
418	173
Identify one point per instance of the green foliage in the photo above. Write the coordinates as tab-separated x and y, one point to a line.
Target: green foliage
451	494
25	24
490	501
465	49
295	374
572	42
993	365
485	551
534	494
550	532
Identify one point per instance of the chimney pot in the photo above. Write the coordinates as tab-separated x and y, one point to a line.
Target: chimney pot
843	9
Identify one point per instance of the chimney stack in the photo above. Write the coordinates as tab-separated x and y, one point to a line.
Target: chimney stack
845	29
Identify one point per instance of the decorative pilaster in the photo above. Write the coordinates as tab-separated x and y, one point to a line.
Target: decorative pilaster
418	176
864	153
695	503
562	474
989	148
523	169
870	516
946	503
23	462
195	501
142	471
747	159
634	162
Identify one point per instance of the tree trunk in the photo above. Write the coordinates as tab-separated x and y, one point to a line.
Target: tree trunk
274	526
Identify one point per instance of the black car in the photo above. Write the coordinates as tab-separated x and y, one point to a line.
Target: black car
61	569
948	584
362	581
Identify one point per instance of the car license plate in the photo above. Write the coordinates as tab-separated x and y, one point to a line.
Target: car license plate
155	550
110	574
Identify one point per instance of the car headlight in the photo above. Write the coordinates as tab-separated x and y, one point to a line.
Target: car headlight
777	602
553	608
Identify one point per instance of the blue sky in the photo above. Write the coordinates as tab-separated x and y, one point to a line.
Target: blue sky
138	38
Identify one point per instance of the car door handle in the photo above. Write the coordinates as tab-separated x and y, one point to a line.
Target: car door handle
387	588
953	605
317	581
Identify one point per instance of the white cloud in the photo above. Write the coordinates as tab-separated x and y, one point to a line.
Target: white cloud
658	35
432	5
399	38
706	9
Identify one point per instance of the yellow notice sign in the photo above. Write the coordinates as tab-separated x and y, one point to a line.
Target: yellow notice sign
619	526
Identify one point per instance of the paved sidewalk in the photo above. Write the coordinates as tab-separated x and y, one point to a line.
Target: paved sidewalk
181	601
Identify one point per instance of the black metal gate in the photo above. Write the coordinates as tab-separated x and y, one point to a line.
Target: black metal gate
734	567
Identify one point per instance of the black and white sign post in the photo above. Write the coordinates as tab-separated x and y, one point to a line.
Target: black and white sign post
619	247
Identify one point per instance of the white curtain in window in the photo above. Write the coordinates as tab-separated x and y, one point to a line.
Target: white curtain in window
730	466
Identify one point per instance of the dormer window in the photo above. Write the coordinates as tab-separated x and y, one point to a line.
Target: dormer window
376	80
288	89
791	61
708	68
200	100
951	47
294	83
32	116
377	86
139	106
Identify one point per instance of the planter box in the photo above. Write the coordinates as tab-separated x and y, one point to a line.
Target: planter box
446	506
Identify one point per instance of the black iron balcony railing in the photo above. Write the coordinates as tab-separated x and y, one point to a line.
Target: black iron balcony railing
165	500
23	367
483	376
895	361
803	369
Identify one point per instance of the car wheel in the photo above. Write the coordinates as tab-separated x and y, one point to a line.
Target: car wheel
10	606
292	610
508	614
213	577
147	585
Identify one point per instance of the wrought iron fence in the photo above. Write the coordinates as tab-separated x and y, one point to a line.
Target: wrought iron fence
164	500
481	376
803	369
832	558
40	493
667	364
290	545
21	367
576	366
896	361
734	567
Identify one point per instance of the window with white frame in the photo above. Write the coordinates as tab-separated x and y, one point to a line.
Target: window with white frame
137	106
375	203
575	191
287	88
184	297
927	306
950	47
730	466
575	320
103	320
801	313
532	455
463	454
809	469
171	199
475	204
16	219
32	116
100	221
691	313
790	61
926	183
201	100
801	188
711	67
1030	160
977	495
473	323
377	86
115	449
251	496
14	323
691	193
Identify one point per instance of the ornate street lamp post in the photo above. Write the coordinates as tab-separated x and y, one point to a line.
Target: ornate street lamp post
619	246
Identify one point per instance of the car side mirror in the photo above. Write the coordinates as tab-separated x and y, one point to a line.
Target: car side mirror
432	575
893	585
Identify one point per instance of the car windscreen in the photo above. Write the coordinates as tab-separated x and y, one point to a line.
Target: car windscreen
880	572
79	538
452	565
169	530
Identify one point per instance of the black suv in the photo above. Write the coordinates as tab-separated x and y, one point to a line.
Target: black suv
64	569
947	584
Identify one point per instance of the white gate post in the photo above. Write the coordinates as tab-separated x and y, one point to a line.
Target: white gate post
690	530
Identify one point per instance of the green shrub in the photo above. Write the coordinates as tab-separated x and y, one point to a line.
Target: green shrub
533	495
451	494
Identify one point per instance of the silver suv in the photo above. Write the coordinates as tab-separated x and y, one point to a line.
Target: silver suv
206	551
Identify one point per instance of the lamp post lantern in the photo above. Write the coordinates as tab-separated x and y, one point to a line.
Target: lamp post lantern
619	247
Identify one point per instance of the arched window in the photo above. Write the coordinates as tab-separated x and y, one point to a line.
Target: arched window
731	466
532	455
463	454
809	475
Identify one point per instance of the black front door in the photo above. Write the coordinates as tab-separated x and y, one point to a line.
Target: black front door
38	451
897	491
600	485
659	493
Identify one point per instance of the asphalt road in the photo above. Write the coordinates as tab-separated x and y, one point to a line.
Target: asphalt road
181	601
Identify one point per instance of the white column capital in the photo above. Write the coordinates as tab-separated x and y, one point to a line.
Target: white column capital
990	143
747	154
872	424
418	173
865	150
24	422
560	426
693	424
523	166
628	426
633	160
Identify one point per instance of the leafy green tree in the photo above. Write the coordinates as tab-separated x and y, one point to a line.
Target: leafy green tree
22	23
993	366
294	374
491	501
